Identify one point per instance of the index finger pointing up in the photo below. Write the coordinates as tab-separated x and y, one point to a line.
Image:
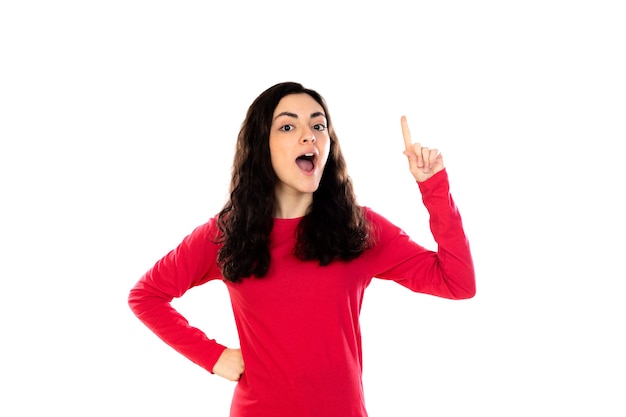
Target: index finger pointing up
406	133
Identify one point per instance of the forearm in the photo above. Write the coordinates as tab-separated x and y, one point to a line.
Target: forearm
169	325
453	252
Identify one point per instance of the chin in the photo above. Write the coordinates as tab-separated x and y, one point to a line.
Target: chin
310	189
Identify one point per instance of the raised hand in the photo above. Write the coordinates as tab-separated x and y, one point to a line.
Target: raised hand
229	365
423	162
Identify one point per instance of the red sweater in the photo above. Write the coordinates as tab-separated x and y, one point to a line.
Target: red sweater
299	325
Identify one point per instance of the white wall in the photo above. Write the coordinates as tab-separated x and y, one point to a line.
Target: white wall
117	125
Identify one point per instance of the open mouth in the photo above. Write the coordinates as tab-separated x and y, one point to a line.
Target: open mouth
306	162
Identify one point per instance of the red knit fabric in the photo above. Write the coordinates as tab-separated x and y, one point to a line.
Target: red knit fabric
299	325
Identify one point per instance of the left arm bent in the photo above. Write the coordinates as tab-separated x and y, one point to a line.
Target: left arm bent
448	272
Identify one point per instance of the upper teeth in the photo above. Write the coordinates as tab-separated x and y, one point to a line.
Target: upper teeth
308	154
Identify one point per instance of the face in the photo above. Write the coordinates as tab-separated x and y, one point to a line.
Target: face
299	144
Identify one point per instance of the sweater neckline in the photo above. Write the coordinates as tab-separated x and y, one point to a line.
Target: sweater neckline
280	220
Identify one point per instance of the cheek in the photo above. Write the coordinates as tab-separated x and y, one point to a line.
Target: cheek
274	154
325	151
323	162
278	159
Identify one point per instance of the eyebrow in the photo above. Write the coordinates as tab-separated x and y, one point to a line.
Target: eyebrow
295	116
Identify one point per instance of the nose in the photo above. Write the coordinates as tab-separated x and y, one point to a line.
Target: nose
309	138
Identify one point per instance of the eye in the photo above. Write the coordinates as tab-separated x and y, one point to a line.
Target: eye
320	127
287	128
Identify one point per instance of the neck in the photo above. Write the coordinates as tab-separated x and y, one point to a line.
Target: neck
291	205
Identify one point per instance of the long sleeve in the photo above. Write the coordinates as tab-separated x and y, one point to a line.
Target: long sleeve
447	272
190	264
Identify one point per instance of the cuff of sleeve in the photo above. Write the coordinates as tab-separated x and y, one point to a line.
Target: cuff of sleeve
212	357
436	182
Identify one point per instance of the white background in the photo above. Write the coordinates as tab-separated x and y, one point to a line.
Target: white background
117	125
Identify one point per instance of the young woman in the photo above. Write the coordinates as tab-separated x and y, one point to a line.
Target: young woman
296	253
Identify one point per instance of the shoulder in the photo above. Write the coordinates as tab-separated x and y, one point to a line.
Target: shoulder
373	216
205	232
381	228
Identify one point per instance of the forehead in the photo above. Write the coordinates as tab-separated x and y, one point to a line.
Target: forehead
300	103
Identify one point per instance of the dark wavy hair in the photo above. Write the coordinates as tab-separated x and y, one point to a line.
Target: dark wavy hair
334	227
